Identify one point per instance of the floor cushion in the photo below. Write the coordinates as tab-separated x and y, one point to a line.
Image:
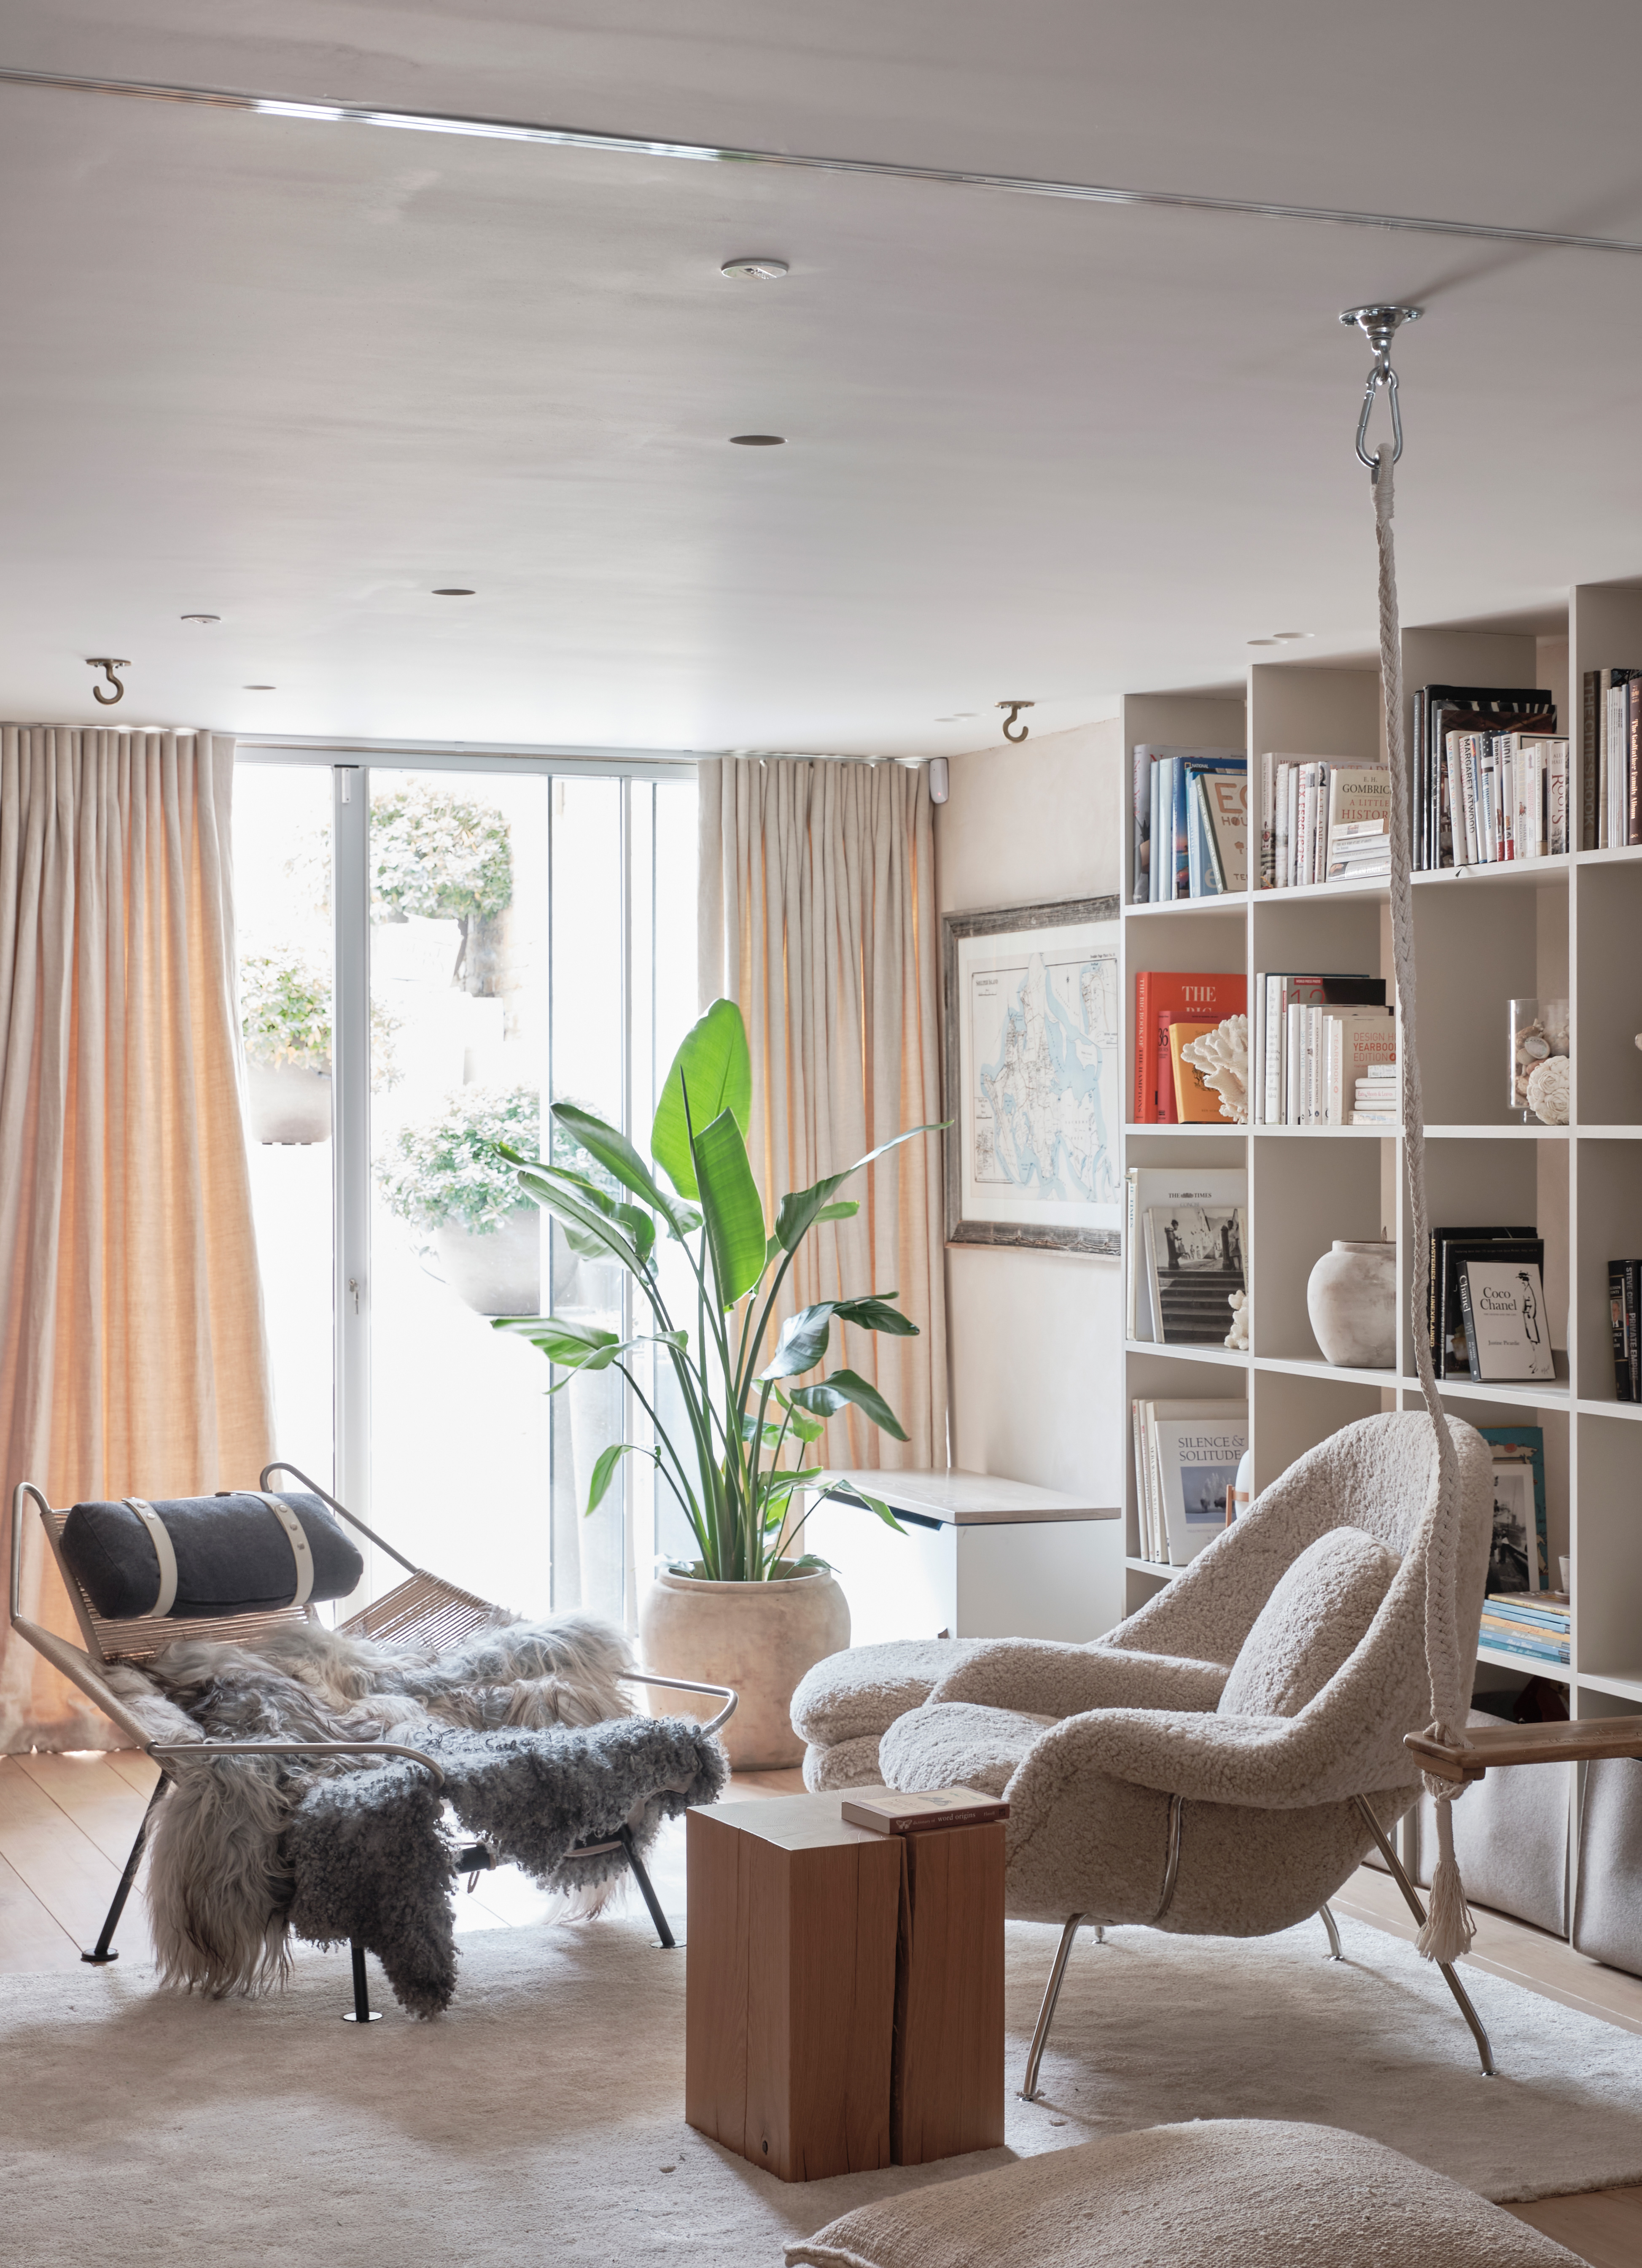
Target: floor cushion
1311	1625
957	1744
1218	2193
866	1688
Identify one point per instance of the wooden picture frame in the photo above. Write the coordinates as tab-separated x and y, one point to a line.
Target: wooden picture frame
1014	978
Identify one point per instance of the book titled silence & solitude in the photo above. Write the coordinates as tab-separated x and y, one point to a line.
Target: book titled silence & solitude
888	1812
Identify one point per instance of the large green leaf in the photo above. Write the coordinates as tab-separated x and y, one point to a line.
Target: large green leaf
826	1400
874	1312
557	1194
617	1154
713	1065
798	1213
802	1342
573	1346
730	1202
605	1470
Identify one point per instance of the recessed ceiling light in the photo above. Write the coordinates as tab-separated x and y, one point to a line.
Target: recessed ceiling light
258	688
200	618
453	591
758	440
1262	641
958	717
1287	638
764	270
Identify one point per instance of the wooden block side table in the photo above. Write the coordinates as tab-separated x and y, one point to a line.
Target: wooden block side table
947	2093
790	1985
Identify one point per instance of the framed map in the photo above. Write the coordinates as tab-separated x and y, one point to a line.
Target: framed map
1033	1075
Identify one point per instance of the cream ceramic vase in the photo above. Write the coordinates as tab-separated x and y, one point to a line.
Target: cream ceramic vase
1351	1300
758	1638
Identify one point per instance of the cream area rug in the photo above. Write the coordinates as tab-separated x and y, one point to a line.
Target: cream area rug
540	2120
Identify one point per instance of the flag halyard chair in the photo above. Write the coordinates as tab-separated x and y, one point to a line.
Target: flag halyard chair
423	1610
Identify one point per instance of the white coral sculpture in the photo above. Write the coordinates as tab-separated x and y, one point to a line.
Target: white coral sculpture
1222	1057
1238	1335
1547	1091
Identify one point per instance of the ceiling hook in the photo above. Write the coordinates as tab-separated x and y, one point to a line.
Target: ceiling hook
1015	709
107	664
1379	325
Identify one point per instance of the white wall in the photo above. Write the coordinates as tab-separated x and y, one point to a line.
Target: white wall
1036	1337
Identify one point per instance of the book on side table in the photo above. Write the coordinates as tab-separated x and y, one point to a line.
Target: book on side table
892	1813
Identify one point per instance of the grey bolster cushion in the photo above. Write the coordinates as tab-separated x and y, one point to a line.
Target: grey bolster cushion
232	1554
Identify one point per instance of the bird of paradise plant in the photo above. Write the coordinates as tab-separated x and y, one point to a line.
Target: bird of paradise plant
738	1504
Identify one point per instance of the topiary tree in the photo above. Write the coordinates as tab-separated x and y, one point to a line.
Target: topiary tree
447	858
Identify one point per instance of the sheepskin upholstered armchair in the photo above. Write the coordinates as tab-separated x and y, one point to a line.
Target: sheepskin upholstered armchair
1221	1762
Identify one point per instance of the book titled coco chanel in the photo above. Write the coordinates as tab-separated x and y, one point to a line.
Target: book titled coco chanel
1507	1333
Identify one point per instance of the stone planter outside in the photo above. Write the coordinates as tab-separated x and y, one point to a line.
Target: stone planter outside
497	1272
758	1638
1351	1298
288	1102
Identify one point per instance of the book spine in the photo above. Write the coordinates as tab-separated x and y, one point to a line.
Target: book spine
1273	1058
1268	826
1194	837
1145	1105
1633	762
1617	1329
1456	807
1470	1330
1557	800
1633	1326
1527	1650
1182	888
1168	1115
1590	691
1468	769
1138	888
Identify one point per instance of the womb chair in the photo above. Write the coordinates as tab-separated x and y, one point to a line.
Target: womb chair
1223	1761
424	1610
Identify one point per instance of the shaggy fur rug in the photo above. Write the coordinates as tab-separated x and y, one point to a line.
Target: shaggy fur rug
538	1744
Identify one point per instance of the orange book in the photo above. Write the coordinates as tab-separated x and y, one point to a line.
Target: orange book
1213	993
1196	1102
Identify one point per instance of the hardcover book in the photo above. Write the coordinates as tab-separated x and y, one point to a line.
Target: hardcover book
888	1812
1507	1334
1520	1559
1208	996
1169	1188
1193	1265
1443	1297
1196	1448
1196	1103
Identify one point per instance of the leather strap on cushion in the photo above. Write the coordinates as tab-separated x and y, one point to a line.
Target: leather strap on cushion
300	1548
163	1552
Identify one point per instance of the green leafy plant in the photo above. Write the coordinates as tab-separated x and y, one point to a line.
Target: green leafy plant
442	856
452	1171
285	1016
741	1412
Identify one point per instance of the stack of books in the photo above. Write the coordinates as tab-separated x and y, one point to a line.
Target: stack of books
1490	714
1624	1288
1533	1624
1186	1455
1197	1000
1322	820
1184	1247
1610	780
1376	1096
1316	1037
1520	1247
1190	823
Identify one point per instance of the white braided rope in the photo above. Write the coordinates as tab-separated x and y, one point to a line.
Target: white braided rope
1448	1929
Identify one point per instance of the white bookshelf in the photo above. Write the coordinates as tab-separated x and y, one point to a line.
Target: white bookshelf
1551	928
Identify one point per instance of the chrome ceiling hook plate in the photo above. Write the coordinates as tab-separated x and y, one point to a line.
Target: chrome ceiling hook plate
1379	325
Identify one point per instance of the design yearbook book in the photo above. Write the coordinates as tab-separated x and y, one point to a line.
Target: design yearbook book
1507	1333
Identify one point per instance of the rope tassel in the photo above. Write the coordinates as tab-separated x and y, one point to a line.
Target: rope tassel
1448	1929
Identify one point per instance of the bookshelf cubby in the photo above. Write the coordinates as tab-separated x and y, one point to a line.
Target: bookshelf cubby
1554	928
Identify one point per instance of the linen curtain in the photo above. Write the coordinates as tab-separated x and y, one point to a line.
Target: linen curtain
133	1359
818	917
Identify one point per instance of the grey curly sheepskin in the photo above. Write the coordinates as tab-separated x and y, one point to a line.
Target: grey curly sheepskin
539	1750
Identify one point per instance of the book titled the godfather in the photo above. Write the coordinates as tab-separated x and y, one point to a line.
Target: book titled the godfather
888	1812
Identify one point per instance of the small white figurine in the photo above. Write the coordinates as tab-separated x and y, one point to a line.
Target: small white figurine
1222	1057
1548	1091
1238	1335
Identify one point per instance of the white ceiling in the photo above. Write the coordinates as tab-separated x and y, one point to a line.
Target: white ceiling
297	374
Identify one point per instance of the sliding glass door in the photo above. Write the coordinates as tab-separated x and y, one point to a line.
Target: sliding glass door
498	938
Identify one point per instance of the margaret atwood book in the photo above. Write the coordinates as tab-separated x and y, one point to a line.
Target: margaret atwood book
888	1812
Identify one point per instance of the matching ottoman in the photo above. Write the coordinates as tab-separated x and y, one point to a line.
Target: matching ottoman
847	1703
1218	2193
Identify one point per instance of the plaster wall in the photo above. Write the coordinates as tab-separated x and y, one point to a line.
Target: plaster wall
1035	1338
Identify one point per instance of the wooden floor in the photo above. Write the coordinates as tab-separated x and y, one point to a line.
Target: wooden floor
67	1824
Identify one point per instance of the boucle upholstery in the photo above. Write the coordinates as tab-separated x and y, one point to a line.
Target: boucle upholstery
958	1746
1310	1626
1268	1829
848	1763
1218	2193
864	1690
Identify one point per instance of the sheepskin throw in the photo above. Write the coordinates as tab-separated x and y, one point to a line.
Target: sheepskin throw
539	1749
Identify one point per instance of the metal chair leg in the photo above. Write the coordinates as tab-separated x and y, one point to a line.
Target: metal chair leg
624	1836
1411	1899
1326	1918
103	1951
361	2011
1047	2013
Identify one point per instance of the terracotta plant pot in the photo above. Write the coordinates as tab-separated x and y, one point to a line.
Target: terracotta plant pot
497	1271
758	1638
288	1102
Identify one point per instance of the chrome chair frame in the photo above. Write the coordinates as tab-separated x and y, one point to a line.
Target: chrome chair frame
424	1606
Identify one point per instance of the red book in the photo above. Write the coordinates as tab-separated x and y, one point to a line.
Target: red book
1202	997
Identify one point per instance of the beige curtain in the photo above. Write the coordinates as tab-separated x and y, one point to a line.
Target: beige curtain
133	1359
817	916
